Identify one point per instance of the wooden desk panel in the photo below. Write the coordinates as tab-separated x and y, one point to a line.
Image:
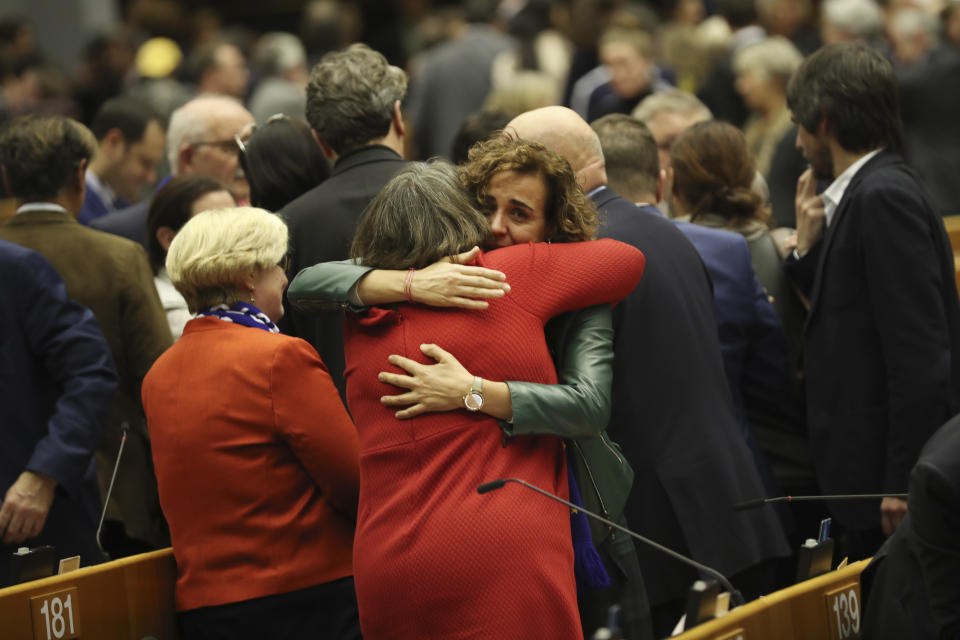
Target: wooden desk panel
799	612
130	598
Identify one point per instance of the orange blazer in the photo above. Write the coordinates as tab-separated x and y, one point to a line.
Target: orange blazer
256	462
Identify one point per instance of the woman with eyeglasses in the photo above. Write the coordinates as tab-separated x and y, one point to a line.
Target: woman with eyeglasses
281	160
255	455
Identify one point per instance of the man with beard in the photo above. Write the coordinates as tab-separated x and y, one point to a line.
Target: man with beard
882	340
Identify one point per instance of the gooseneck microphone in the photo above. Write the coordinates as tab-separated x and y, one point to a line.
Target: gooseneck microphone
124	429
759	502
735	596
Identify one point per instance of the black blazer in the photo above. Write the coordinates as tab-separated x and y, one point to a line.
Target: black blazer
322	223
130	222
882	339
673	414
910	589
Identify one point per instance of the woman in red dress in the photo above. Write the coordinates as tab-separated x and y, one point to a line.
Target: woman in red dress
432	558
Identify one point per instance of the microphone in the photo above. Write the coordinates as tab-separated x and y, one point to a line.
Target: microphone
759	502
124	428
735	596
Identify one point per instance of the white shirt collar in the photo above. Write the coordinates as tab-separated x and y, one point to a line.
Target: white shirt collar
107	195
596	190
834	193
40	206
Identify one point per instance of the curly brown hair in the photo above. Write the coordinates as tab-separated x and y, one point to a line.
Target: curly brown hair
570	215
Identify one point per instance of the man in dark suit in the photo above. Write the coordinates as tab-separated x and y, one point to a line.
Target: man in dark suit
672	409
910	589
43	160
882	339
56	388
200	141
752	340
353	107
129	148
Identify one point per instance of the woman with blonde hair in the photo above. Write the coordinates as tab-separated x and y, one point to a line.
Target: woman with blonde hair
255	455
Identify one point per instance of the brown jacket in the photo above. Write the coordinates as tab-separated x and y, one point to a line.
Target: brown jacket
111	276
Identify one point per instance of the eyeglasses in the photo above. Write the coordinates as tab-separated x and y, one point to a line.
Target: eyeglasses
240	139
227	146
284	263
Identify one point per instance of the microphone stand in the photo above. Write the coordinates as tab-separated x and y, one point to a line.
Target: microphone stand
759	502
125	428
735	595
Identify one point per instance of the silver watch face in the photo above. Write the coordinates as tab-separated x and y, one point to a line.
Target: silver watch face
473	401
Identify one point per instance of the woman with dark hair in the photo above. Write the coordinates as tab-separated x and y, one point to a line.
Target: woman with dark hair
440	458
281	160
713	174
172	205
712	186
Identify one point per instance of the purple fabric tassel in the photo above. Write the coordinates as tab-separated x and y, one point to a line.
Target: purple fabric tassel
587	566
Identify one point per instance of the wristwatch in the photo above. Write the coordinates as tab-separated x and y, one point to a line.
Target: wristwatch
473	401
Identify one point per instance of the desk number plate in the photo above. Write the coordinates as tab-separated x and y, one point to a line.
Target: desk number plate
56	616
843	611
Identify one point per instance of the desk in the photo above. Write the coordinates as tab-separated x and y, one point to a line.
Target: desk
952	224
127	599
822	607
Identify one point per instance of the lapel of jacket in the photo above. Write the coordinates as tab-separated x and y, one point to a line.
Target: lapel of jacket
830	233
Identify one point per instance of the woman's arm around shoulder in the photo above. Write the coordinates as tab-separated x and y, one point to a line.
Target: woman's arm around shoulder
447	283
549	279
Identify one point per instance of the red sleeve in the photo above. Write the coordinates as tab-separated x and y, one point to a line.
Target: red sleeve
549	279
310	416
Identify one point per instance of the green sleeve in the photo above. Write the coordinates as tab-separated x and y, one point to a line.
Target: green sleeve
325	286
579	406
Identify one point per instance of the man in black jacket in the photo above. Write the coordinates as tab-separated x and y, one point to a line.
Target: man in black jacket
882	339
672	409
353	107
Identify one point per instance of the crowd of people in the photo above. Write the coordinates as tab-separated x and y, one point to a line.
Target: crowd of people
656	259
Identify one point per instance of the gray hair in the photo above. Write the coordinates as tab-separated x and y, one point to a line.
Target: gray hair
670	101
277	52
192	122
422	215
351	95
776	58
911	22
859	18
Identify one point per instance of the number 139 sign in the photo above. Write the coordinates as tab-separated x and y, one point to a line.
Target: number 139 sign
843	611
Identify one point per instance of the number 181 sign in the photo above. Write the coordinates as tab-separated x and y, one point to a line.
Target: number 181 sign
56	616
843	611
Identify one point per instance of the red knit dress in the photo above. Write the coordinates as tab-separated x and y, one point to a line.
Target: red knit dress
432	558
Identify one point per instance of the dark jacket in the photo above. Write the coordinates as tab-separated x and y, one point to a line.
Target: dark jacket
130	223
322	223
673	414
111	277
57	384
910	589
882	339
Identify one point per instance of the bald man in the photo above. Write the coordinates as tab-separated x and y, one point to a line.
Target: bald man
672	409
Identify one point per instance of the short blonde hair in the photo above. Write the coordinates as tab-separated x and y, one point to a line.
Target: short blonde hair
215	249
